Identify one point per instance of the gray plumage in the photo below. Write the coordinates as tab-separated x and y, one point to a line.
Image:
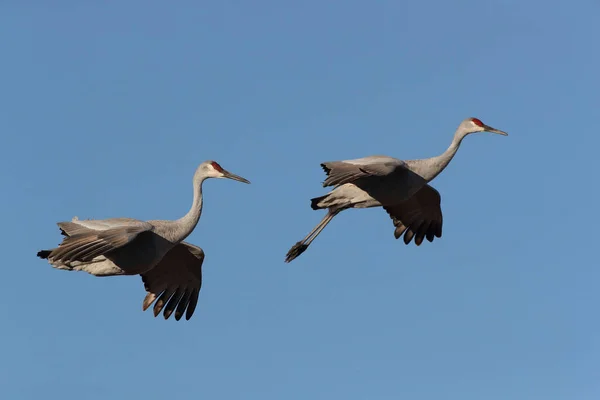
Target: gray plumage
171	269
400	187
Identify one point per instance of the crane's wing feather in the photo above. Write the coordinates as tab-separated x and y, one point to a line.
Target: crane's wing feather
87	239
77	225
418	217
175	281
348	171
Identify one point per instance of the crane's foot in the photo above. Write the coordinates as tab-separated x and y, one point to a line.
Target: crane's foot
295	251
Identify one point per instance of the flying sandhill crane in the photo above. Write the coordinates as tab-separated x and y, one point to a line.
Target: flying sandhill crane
400	187
170	268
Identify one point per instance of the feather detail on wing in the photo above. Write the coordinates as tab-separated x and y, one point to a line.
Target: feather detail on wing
175	282
419	217
82	243
348	171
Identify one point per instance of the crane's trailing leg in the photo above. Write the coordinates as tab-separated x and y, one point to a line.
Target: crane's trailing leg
302	245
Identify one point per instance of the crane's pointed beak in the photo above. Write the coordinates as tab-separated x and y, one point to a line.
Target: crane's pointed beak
493	130
229	175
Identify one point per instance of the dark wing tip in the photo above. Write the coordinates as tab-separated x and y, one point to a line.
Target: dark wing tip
146	283
400	228
430	235
327	171
408	236
192	304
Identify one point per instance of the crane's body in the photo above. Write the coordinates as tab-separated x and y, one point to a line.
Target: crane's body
149	244
400	187
153	249
370	182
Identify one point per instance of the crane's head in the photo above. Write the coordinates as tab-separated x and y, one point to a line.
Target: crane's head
472	125
212	169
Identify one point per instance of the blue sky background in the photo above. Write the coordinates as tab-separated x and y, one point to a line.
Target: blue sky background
106	109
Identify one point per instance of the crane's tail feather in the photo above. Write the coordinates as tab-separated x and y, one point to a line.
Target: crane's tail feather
44	253
314	203
332	200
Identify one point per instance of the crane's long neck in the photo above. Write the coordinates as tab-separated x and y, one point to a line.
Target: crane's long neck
182	227
433	166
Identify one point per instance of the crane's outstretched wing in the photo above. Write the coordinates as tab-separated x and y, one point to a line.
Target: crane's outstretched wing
177	279
420	216
86	239
348	171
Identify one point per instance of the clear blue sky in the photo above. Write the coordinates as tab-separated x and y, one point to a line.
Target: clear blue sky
107	109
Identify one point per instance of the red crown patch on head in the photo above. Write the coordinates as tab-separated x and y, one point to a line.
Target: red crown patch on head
477	122
216	166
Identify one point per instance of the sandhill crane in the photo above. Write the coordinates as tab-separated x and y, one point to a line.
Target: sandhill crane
170	268
400	187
